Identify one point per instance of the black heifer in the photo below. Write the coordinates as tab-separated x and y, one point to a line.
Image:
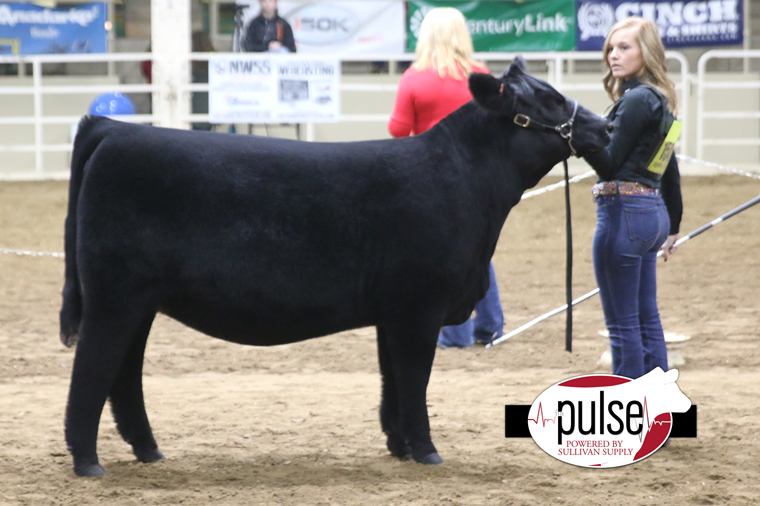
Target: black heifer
265	241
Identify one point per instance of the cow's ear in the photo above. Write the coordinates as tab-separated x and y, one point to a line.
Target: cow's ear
487	91
515	68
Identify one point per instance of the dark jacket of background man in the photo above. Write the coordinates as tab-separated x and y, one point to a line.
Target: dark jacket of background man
262	31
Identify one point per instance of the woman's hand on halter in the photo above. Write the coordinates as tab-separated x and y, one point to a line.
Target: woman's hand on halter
669	247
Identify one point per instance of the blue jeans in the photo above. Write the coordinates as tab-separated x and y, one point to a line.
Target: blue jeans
488	322
630	230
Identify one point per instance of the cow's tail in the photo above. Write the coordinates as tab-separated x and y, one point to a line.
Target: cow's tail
71	310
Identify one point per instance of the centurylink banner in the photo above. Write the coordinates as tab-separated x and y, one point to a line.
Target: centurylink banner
681	23
30	29
533	25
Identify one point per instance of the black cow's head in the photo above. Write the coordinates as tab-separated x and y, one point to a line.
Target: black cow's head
534	104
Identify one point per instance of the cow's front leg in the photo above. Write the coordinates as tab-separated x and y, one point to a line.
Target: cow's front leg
389	406
410	348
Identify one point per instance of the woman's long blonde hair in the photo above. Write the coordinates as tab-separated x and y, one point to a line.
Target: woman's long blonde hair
445	44
653	70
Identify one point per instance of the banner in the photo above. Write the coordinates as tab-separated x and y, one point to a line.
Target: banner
341	26
269	88
681	23
30	29
533	25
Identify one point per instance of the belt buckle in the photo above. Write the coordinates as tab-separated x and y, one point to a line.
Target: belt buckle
596	191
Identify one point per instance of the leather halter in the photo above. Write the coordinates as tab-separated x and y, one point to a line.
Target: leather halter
565	130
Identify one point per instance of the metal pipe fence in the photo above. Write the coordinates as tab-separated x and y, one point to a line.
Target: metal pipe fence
560	72
705	115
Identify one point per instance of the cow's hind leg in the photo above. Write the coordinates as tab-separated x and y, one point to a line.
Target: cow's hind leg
389	408
106	337
127	402
410	348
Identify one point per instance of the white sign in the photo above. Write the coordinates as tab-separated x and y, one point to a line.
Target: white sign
270	88
342	26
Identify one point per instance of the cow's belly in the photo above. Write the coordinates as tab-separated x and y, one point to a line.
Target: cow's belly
263	324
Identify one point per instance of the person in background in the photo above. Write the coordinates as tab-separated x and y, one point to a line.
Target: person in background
638	206
432	88
268	32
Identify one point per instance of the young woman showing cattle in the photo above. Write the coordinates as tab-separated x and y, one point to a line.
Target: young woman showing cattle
431	89
638	195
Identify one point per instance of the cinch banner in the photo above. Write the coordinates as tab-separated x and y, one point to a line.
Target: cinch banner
30	29
534	25
681	24
341	26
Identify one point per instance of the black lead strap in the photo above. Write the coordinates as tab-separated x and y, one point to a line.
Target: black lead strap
568	266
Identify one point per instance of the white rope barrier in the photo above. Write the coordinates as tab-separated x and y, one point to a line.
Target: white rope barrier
21	252
527	195
561	184
721	168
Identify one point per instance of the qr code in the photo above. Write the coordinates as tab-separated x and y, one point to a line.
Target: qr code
293	91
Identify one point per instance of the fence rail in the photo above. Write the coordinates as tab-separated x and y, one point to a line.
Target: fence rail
560	74
704	84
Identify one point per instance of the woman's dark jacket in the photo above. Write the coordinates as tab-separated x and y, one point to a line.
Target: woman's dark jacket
636	117
261	31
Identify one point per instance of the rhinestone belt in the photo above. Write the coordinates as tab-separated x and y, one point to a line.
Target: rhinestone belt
622	188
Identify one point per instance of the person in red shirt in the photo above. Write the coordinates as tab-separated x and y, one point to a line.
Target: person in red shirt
436	83
431	89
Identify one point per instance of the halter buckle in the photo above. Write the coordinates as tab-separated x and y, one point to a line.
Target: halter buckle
522	120
565	130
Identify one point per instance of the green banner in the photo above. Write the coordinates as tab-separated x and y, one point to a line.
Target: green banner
503	25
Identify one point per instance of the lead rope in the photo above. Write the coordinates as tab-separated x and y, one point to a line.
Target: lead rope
569	266
569	232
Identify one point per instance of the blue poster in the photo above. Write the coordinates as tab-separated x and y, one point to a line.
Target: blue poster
681	23
31	29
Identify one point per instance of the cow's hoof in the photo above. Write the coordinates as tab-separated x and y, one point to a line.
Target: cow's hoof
149	456
89	470
432	459
398	447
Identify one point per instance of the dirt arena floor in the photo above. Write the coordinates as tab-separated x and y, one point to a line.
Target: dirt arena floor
298	424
